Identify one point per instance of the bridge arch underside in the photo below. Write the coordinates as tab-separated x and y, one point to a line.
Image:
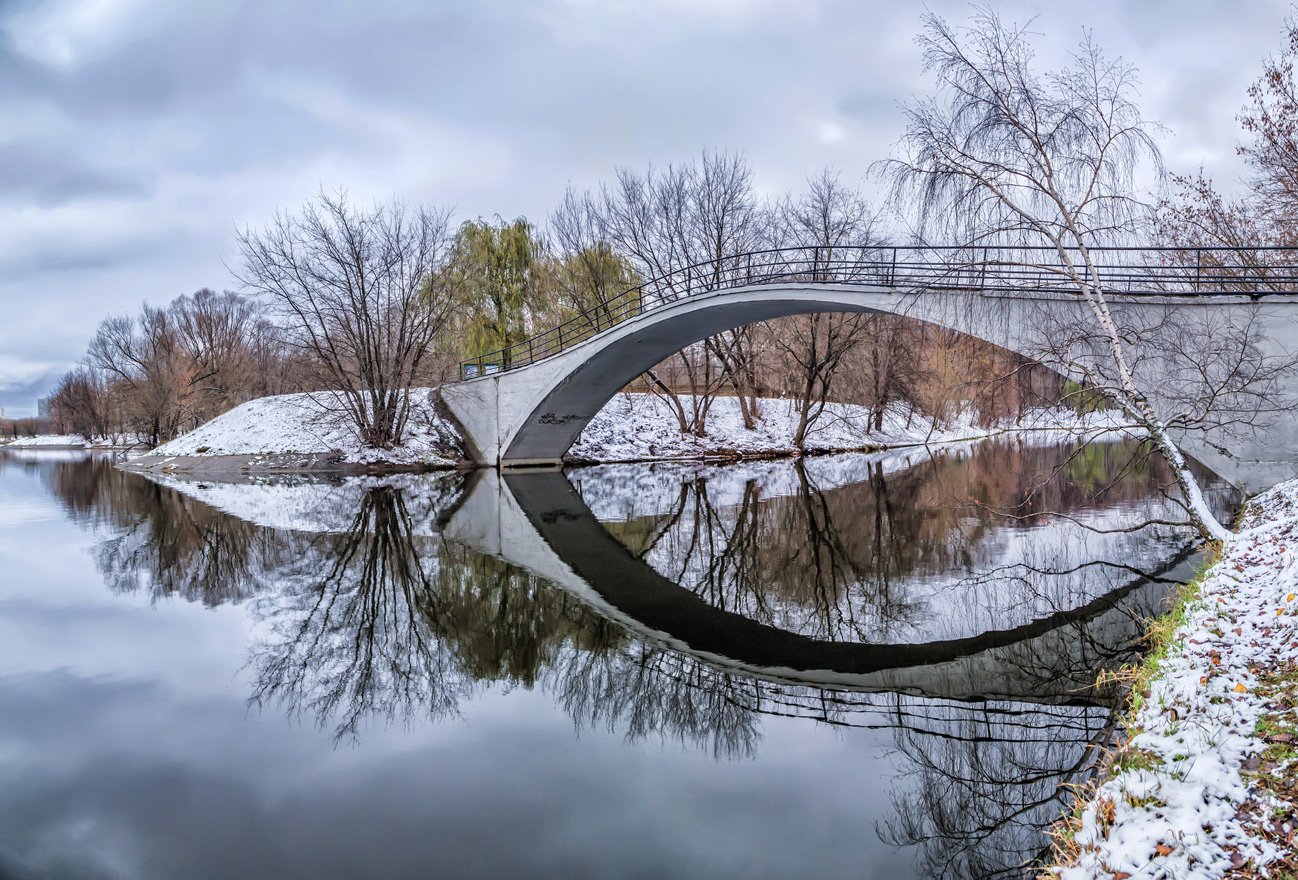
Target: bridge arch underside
579	382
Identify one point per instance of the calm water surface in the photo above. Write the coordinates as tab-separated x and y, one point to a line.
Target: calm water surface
852	665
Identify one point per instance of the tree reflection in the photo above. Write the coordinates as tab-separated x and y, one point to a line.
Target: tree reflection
980	782
361	640
863	561
162	542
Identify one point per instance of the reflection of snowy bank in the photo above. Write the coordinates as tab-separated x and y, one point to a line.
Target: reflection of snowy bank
43	453
619	490
851	547
903	546
303	504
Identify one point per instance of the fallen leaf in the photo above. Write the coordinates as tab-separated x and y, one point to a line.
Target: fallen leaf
1239	689
1163	849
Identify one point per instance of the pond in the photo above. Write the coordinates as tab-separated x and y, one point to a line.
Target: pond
870	665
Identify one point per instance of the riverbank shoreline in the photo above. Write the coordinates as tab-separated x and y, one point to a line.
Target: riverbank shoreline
304	434
1201	780
67	442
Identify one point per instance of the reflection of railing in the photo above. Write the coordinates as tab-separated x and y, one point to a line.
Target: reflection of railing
1191	272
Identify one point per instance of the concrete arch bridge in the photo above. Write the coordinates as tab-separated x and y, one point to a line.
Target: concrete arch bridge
526	405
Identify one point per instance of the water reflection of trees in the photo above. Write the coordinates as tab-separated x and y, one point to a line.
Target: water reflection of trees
863	561
383	622
162	542
981	781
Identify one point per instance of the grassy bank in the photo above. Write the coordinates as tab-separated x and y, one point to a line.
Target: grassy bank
1201	780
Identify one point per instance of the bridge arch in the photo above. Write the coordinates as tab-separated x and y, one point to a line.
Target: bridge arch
553	384
532	415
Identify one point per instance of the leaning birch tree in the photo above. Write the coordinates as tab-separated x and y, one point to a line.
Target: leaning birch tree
1043	170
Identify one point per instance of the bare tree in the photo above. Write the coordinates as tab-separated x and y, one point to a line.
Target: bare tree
685	215
86	403
838	221
167	370
587	273
141	355
212	332
361	291
1271	118
1048	164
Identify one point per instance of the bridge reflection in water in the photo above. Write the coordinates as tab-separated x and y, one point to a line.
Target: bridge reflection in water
689	603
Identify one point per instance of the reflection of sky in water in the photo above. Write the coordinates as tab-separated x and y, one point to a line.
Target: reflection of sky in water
128	748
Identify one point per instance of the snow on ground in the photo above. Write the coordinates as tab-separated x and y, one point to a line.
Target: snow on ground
315	423
70	441
75	441
640	427
1178	800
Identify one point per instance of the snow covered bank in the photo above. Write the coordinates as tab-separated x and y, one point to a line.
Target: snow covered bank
641	427
302	432
66	441
310	431
1208	783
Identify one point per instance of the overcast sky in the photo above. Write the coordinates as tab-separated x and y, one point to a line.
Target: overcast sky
135	135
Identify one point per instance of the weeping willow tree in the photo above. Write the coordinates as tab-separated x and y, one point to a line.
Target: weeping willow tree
497	269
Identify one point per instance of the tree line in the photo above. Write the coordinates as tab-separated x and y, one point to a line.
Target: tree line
363	302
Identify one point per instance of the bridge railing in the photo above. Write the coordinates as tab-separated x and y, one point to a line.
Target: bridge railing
1188	272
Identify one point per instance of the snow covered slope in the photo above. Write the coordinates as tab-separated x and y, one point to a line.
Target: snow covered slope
314	423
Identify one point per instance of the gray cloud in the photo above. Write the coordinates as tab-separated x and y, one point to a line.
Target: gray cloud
47	179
